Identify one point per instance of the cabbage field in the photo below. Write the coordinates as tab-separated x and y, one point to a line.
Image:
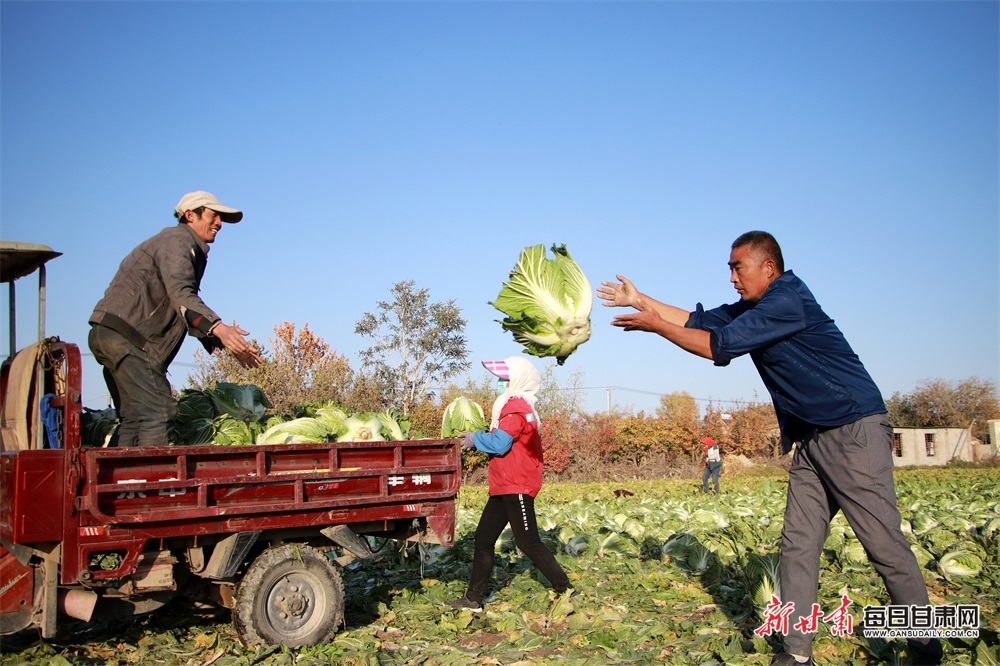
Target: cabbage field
662	575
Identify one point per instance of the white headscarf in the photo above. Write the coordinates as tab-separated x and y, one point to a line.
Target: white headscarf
524	382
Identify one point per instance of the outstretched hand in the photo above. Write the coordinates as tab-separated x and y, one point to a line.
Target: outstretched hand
231	338
652	316
645	318
622	294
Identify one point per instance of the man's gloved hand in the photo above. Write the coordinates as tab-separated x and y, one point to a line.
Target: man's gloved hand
467	442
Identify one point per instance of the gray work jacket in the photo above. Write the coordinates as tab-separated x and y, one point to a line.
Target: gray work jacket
153	299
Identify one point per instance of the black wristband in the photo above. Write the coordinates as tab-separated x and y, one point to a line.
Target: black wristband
198	321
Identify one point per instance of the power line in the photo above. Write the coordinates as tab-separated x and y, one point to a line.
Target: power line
644	392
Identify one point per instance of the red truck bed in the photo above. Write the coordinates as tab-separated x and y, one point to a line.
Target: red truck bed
119	521
95	500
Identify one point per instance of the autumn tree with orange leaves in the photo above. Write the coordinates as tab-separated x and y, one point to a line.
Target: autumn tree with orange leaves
299	368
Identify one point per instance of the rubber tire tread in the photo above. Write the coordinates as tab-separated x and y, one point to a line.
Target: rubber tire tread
268	568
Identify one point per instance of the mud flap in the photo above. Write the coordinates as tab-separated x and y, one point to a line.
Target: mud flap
50	589
228	554
344	536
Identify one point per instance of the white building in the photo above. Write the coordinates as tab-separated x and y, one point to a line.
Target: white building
936	446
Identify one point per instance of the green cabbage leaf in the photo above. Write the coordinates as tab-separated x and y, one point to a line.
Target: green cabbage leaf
547	303
195	431
229	431
194	404
363	428
245	402
460	416
960	563
395	426
304	430
332	417
195	418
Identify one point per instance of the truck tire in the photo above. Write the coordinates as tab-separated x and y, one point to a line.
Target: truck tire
290	594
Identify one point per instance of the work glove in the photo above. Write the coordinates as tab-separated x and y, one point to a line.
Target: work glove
467	442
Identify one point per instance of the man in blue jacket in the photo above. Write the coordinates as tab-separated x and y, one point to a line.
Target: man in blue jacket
825	402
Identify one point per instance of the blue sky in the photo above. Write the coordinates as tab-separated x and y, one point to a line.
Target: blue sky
374	142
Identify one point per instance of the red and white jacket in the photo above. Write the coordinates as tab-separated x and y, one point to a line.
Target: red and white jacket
515	450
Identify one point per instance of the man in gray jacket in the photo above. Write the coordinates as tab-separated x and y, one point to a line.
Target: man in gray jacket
139	326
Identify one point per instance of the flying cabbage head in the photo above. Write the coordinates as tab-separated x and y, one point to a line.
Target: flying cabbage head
547	303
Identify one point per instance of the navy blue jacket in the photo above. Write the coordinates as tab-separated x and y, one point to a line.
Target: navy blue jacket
811	372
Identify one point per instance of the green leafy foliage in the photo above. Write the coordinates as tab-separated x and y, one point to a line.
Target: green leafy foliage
193	405
229	431
395	426
229	415
330	413
236	415
666	588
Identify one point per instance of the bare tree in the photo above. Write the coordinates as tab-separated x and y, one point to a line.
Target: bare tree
553	397
415	344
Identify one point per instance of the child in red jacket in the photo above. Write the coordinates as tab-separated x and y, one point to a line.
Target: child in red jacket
514	445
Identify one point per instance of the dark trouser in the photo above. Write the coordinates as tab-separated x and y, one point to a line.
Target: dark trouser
845	469
139	389
519	512
714	474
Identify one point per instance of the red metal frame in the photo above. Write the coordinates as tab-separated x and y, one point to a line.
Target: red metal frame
97	500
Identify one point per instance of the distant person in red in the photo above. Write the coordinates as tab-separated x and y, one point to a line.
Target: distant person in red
152	302
713	464
514	445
